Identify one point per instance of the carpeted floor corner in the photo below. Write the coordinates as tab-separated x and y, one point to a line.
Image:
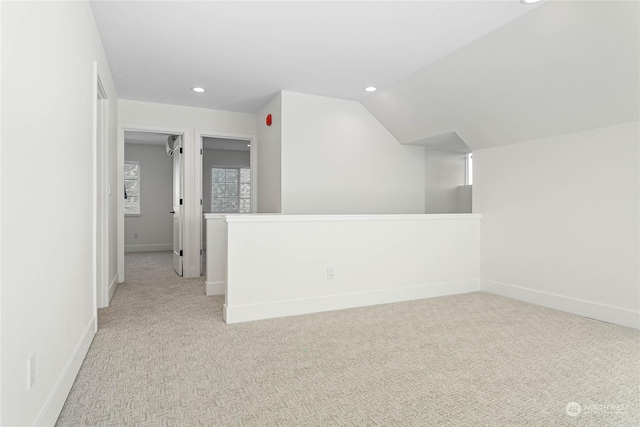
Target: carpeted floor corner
164	357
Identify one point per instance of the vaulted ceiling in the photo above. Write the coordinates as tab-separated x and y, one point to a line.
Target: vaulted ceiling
565	67
488	72
245	52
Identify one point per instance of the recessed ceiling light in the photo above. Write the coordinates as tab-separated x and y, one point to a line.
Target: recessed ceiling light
248	145
371	88
529	1
198	89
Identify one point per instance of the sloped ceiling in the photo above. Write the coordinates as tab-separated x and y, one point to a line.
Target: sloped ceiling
564	67
244	52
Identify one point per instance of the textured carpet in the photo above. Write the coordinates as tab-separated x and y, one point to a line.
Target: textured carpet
164	357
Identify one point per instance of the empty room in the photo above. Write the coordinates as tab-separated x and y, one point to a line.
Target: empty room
323	213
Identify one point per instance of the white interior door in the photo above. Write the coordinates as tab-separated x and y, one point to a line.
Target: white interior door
178	206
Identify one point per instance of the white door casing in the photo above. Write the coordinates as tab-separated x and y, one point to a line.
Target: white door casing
178	216
100	197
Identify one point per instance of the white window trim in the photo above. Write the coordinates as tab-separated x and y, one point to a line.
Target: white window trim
138	213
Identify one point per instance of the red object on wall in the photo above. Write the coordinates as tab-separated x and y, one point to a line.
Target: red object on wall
268	120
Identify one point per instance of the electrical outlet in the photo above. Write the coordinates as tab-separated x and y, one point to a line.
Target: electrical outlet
31	372
329	273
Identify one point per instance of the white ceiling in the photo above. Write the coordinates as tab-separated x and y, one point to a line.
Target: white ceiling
245	52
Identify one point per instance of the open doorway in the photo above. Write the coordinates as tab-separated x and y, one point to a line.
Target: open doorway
227	185
152	198
226	175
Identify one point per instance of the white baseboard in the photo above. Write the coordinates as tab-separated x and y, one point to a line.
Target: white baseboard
112	287
215	288
148	248
54	403
606	313
245	313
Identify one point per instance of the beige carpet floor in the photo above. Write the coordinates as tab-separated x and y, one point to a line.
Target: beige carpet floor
164	357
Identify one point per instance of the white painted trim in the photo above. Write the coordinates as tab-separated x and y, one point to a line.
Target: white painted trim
249	312
606	313
325	218
215	288
120	203
113	286
54	403
96	256
105	194
100	192
161	247
1	328
214	216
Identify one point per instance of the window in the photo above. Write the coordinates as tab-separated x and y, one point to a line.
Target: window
231	190
470	169
132	188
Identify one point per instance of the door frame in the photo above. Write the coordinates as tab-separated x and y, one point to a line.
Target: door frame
122	128
253	165
177	205
100	194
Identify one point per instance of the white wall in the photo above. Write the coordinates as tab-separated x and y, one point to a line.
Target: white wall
277	264
154	225
177	116
499	89
560	221
338	159
445	171
48	53
465	199
270	157
188	120
216	272
219	158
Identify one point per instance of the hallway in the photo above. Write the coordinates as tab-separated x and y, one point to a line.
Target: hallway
152	352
